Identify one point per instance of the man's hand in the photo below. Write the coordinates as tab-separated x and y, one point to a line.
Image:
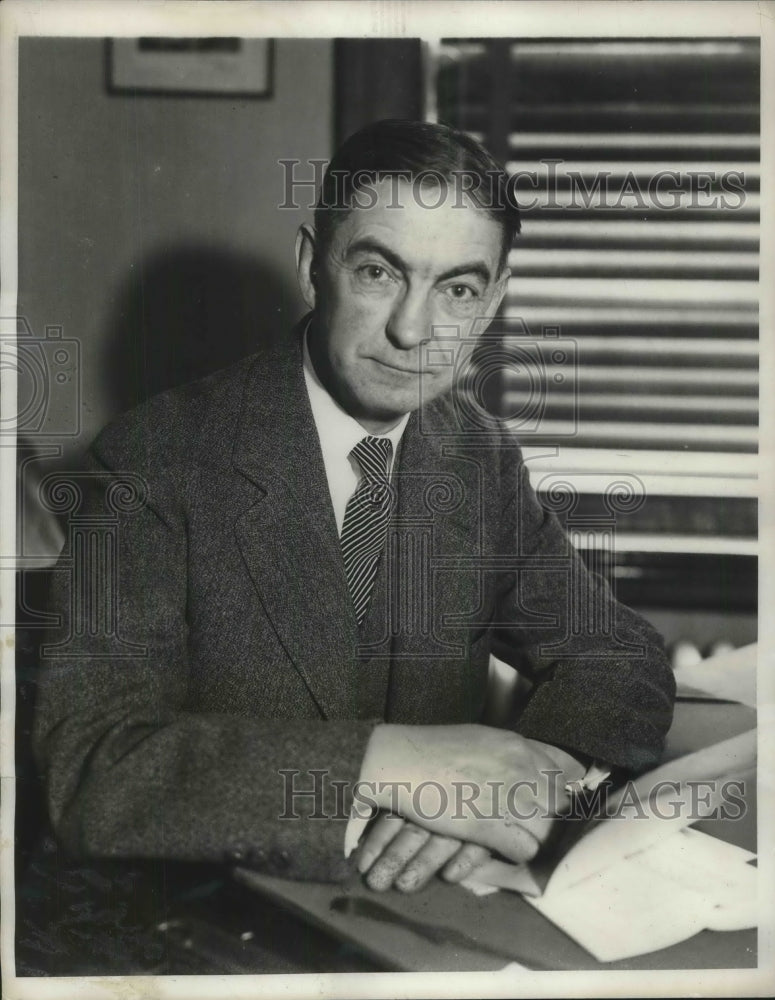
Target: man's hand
466	784
397	852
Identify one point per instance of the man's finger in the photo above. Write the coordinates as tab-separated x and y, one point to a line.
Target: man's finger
519	843
383	831
465	861
529	811
398	853
428	860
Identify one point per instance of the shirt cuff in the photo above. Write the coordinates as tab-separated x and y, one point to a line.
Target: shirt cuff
595	775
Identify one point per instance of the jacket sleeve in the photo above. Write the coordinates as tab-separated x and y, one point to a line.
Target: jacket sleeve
132	767
602	683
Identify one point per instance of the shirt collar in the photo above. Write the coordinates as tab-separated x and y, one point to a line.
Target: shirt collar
338	431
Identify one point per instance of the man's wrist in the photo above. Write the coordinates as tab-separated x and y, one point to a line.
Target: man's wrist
572	763
581	773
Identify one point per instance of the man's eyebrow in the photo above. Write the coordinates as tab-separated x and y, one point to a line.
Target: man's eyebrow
369	245
477	267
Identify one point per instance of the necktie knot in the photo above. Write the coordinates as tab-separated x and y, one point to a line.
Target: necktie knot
373	455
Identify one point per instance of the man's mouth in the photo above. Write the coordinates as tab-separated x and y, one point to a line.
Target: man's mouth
402	369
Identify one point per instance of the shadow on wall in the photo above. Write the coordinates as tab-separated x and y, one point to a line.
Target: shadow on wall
180	315
188	311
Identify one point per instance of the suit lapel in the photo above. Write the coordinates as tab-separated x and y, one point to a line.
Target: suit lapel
288	538
425	598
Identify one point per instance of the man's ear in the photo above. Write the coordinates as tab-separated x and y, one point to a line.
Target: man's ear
305	264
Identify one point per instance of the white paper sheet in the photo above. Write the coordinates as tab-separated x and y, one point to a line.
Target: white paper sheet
655	898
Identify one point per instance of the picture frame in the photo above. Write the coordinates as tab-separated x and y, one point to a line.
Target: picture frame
218	67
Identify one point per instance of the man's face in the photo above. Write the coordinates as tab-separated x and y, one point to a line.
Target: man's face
388	277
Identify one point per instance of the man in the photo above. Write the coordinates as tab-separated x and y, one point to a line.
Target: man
325	557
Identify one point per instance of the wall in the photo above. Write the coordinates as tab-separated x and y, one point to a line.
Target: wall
148	225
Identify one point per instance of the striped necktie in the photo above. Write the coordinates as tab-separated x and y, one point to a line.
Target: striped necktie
366	519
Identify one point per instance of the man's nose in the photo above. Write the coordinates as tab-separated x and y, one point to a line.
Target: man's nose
409	321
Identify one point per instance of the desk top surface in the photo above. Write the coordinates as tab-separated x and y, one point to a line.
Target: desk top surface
106	917
447	928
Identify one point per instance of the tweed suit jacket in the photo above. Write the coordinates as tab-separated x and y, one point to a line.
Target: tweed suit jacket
242	667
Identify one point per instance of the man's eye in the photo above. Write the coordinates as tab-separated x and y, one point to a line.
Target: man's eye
373	273
462	293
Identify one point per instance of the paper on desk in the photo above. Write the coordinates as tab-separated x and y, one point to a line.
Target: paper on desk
666	803
727	677
636	884
663	894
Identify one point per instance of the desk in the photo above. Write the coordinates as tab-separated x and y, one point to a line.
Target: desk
103	918
447	928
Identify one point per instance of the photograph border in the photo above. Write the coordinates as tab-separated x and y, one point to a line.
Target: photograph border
430	19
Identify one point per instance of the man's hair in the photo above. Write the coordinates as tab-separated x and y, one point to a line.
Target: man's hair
421	152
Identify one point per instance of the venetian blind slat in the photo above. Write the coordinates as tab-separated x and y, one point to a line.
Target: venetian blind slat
636	163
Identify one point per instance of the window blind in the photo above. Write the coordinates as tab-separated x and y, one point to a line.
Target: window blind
636	162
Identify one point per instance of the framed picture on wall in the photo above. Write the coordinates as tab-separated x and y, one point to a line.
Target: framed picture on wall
217	66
